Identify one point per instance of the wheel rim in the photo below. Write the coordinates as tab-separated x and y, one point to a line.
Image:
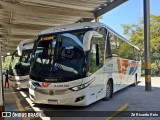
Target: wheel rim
108	90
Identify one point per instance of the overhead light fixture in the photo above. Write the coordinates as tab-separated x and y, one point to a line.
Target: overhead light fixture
2	56
8	53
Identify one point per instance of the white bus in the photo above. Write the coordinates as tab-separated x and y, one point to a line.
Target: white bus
20	64
81	63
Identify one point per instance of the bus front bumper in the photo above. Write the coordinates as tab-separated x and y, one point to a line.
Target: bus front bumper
75	98
22	82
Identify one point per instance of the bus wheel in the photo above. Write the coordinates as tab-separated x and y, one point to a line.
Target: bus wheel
108	91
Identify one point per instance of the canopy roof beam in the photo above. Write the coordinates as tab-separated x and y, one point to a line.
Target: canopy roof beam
108	6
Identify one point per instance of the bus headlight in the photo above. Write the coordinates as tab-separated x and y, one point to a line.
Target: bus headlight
24	80
80	87
31	86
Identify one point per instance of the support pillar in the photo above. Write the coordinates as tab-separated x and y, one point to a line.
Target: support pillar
1	89
147	45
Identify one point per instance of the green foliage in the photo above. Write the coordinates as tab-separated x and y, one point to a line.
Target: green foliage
93	66
5	64
135	32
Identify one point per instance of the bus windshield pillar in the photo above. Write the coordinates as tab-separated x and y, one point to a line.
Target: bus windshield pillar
147	45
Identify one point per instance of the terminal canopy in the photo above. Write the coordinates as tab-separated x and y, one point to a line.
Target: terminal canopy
24	19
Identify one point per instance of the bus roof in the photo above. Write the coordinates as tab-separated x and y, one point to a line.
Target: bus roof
73	26
83	25
24	45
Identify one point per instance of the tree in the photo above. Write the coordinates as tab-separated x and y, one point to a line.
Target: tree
5	64
135	33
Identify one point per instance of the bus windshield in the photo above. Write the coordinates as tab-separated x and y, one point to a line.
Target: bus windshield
20	65
59	57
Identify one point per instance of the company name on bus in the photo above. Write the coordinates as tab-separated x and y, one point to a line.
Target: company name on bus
48	38
134	65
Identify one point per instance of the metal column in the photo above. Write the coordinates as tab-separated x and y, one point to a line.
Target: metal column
1	88
147	45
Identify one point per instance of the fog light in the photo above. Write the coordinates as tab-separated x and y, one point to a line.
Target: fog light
79	98
51	92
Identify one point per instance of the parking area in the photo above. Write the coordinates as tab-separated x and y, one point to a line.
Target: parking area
34	16
136	97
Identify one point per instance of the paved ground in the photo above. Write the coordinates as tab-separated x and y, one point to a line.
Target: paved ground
10	104
139	100
136	97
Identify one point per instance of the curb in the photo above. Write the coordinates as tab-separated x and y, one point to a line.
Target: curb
124	107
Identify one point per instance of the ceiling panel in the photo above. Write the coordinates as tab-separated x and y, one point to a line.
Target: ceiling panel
24	19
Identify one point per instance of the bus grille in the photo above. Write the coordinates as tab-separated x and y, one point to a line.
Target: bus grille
55	92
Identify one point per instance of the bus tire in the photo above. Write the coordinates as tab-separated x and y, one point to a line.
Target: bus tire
135	80
109	89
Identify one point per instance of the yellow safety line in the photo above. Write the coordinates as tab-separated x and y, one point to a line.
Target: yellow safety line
19	106
125	106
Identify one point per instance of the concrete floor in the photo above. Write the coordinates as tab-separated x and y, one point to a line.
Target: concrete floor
140	100
10	103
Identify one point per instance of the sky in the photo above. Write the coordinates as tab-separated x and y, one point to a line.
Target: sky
128	13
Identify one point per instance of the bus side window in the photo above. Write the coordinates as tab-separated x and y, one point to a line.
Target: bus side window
122	49
93	66
129	51
137	55
108	48
105	46
114	44
96	55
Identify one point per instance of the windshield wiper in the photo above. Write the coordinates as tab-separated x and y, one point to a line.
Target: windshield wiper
66	68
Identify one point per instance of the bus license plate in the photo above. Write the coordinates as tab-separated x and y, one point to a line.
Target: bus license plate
52	101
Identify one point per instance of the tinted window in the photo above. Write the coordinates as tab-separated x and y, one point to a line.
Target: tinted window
97	54
120	48
126	51
114	44
137	55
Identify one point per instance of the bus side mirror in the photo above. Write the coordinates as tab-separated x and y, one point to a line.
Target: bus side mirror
87	39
